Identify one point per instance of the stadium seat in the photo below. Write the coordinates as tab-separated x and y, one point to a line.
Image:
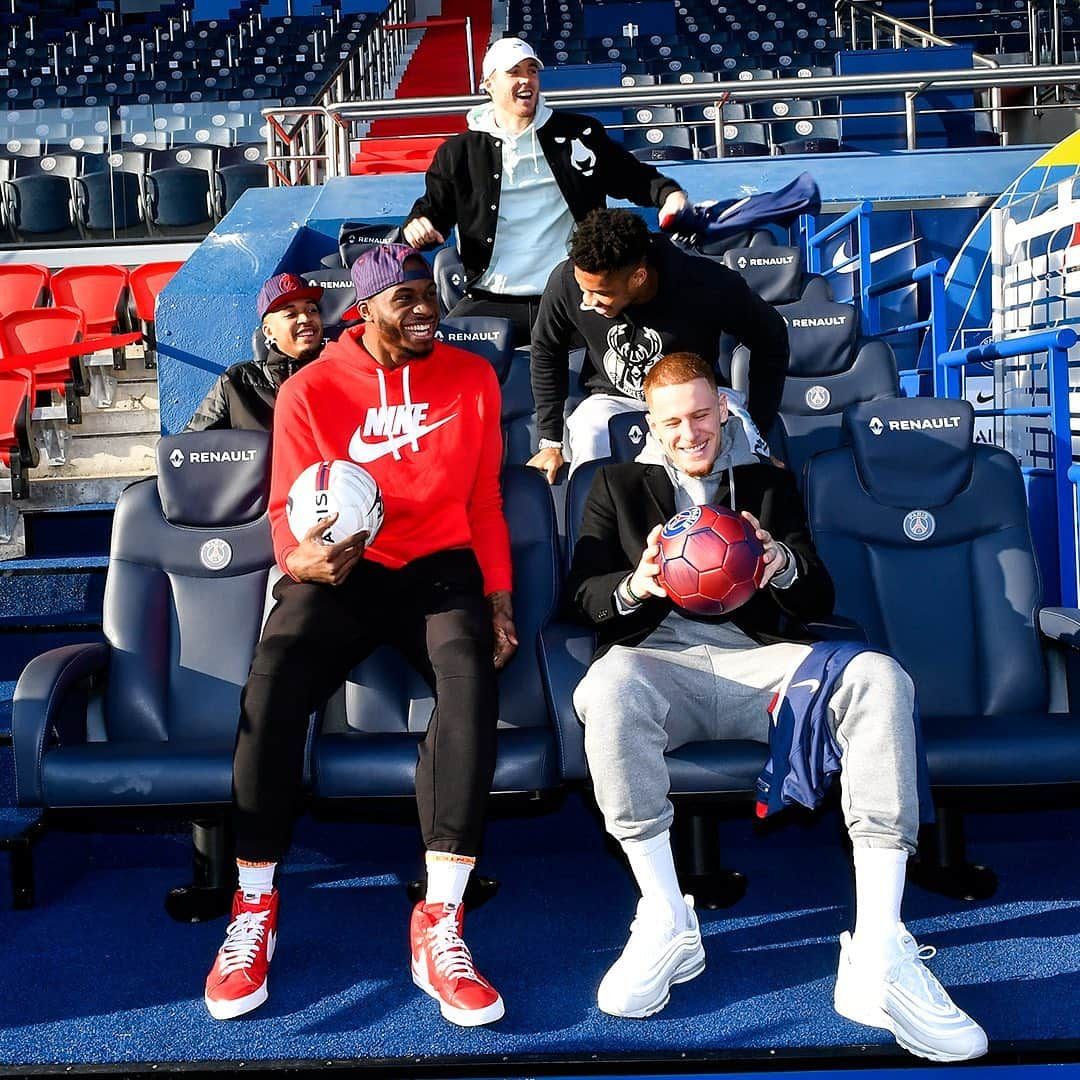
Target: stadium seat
773	271
830	368
449	277
367	739
338	303
17	450
178	198
239	168
745	140
148	717
518	408
487	336
927	536
110	203
808	135
178	187
22	285
145	283
659	144
37	329
39	205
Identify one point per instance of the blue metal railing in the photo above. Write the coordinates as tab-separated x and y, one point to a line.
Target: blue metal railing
814	242
948	379
934	273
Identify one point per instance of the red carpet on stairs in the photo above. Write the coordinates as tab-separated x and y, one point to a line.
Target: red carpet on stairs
439	67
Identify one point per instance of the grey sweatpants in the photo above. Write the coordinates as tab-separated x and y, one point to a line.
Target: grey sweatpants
691	681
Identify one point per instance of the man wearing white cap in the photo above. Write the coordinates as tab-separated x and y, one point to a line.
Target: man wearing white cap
515	183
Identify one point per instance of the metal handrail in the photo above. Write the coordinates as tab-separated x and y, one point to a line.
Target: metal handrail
899	26
340	115
709	93
1056	344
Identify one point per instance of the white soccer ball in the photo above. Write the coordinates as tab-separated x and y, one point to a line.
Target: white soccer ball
330	487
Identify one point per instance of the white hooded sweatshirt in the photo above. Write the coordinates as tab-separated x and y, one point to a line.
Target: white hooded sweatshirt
534	221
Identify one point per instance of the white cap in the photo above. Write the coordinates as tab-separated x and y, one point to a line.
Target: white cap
506	53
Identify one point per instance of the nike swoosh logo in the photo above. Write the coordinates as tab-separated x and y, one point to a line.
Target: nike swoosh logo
363	452
811	684
841	254
982	398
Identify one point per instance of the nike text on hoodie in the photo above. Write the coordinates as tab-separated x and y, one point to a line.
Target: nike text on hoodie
428	432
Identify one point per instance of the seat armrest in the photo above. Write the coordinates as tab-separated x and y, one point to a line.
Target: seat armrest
565	653
837	628
1060	624
50	699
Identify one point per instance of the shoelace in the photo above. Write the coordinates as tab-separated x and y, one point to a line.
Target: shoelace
450	954
242	938
909	965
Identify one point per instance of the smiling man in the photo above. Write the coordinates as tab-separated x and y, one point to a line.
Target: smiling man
423	419
634	296
243	396
515	183
662	678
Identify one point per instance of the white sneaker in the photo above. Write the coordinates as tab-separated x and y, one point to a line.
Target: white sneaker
907	1000
655	958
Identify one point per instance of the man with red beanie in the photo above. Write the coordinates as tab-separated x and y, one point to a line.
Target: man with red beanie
423	419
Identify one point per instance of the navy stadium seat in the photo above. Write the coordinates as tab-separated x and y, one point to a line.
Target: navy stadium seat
239	168
928	540
449	277
367	741
147	718
487	336
39	204
659	144
109	202
830	368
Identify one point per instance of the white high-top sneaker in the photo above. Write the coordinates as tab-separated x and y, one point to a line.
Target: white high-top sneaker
657	956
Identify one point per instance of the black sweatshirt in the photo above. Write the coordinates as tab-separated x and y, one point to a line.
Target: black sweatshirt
697	301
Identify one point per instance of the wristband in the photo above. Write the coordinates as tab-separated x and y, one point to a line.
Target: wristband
549	444
630	592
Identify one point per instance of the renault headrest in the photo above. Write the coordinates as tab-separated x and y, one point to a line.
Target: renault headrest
208	479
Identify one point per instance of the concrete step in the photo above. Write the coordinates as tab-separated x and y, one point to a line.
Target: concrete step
124	418
97	455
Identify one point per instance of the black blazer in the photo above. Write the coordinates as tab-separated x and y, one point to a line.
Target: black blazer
627	501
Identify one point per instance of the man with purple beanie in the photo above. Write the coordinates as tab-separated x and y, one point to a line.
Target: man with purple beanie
423	419
243	396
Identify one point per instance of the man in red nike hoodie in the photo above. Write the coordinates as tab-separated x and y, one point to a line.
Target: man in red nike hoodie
423	419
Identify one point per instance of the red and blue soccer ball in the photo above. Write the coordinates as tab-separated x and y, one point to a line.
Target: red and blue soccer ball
710	560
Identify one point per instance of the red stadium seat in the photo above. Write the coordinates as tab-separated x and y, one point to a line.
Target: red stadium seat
146	282
22	286
17	450
96	291
99	292
37	329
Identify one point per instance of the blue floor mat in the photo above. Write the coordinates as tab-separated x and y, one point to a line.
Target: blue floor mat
116	981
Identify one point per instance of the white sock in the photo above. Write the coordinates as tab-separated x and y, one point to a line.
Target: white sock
447	876
653	867
256	880
879	888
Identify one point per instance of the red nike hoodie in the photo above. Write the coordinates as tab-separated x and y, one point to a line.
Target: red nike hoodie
428	432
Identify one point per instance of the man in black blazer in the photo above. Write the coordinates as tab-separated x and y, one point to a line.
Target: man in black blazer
663	677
